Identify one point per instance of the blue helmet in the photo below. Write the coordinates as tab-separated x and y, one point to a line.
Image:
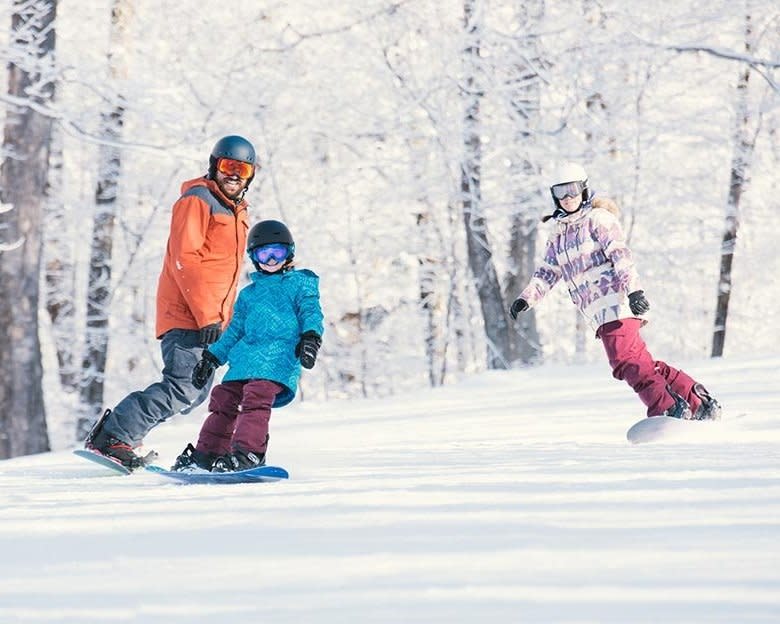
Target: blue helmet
234	147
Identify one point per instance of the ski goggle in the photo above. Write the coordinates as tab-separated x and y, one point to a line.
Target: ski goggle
568	189
275	251
228	166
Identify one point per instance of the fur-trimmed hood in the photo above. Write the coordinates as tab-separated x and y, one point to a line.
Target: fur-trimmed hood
606	204
596	203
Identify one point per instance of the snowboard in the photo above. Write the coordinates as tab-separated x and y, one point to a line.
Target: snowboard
260	474
113	464
102	460
663	428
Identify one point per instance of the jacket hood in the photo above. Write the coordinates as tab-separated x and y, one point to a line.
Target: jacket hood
604	203
597	203
560	215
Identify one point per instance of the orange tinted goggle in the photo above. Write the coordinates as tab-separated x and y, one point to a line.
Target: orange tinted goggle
228	166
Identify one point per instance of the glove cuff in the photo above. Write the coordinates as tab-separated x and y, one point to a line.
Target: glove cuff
210	357
313	335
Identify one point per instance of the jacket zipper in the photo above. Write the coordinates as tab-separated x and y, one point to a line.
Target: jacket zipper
568	260
237	259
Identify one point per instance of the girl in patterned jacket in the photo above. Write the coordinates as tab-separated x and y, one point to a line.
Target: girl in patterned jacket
587	249
276	328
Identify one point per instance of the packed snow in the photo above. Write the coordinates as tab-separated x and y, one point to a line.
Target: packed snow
512	496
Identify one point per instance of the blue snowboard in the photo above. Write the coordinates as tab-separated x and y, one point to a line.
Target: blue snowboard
253	475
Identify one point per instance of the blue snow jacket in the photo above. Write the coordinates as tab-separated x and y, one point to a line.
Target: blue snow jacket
269	317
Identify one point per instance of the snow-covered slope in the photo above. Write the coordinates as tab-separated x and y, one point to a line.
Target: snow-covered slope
511	497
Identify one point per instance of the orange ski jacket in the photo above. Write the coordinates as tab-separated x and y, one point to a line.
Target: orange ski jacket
203	259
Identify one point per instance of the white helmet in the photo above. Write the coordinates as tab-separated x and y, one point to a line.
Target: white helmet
570	178
570	172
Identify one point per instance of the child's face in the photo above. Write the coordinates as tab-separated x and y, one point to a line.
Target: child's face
272	268
570	204
271	257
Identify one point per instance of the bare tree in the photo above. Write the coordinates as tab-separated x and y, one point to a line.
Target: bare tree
100	265
479	248
23	178
60	268
437	269
524	90
743	145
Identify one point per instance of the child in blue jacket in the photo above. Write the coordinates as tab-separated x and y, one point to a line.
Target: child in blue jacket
276	328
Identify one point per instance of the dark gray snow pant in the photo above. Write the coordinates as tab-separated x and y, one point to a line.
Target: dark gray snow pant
139	412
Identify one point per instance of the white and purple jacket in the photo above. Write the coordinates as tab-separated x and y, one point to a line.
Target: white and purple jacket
588	250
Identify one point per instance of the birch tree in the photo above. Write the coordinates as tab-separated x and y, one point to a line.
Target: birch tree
478	245
523	89
22	182
101	252
743	145
60	268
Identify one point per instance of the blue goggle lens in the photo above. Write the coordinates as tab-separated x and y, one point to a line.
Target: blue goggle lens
266	253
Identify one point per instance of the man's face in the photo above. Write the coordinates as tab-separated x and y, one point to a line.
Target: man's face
230	184
233	176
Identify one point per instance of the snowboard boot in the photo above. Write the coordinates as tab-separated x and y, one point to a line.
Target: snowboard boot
709	409
680	409
119	451
238	460
193	460
89	440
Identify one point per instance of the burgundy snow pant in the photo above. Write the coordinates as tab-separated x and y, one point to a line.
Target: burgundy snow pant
631	361
239	415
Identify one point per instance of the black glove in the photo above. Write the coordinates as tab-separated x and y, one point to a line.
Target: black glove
204	369
307	347
210	334
518	305
638	302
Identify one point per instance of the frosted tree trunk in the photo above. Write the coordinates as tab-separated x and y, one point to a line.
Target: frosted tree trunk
101	251
458	335
523	88
743	151
23	174
429	298
59	263
480	254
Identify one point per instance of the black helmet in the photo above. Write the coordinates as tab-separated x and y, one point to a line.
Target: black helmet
266	233
234	147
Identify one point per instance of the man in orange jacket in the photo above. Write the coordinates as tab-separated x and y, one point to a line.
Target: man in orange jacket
195	296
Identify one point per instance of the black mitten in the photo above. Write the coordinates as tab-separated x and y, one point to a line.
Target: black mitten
638	303
518	306
210	334
204	369
307	348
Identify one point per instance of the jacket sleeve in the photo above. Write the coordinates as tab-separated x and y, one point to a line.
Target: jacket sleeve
544	278
189	225
308	303
609	233
234	331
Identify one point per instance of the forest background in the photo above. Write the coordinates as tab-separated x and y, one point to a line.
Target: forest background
409	146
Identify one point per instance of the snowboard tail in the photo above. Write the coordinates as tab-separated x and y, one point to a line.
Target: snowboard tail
665	429
101	459
109	462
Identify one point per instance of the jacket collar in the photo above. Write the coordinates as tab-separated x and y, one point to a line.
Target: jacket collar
213	187
561	216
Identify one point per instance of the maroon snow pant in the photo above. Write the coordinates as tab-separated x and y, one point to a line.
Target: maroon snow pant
632	362
239	415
